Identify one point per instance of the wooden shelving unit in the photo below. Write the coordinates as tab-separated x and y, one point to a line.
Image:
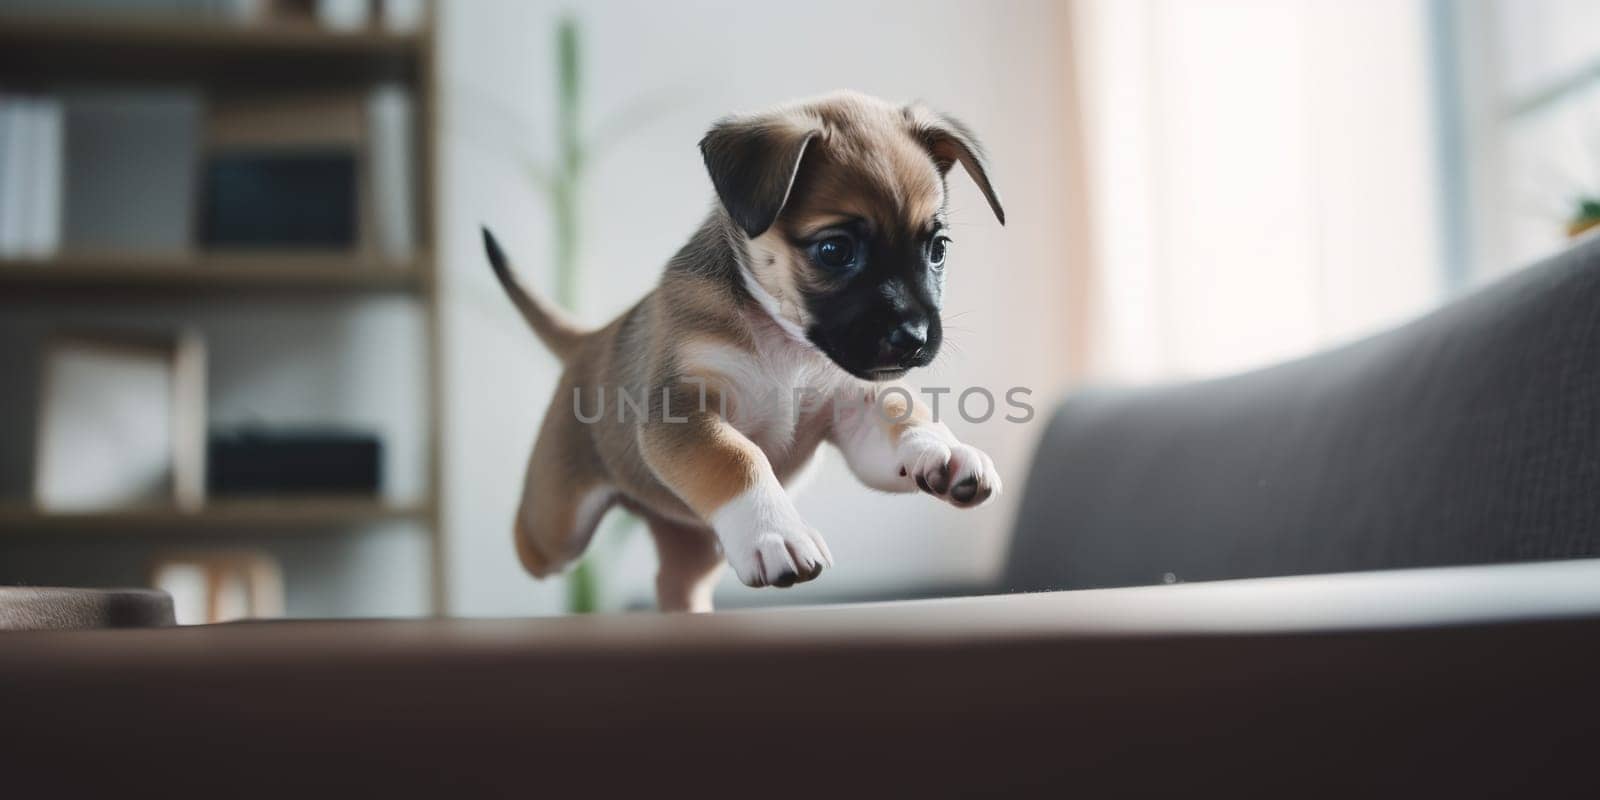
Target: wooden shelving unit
150	47
73	274
287	517
39	52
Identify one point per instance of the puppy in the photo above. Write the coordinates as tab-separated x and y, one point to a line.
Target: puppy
785	322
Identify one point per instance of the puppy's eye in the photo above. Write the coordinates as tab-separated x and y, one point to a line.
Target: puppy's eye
836	253
936	252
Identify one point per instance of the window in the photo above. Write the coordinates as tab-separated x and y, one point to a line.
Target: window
1520	92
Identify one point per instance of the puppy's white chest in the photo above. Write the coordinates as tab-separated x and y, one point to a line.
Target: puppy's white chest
770	409
774	393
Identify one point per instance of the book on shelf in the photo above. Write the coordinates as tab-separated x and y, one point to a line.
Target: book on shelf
130	168
104	170
392	156
293	460
404	16
344	15
122	421
283	171
330	171
31	159
162	169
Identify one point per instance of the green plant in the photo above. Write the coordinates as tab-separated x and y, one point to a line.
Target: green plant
562	182
1585	215
1588	209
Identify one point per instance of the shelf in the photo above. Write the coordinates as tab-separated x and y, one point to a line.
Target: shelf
221	516
59	51
79	275
153	47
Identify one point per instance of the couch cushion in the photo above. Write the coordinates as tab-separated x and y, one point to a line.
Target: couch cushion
1469	436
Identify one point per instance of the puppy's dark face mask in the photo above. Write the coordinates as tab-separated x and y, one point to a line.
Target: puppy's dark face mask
843	201
872	285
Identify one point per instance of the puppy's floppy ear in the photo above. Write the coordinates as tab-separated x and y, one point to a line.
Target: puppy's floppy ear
949	141
753	162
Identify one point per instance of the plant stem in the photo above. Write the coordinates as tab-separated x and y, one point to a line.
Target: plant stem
569	162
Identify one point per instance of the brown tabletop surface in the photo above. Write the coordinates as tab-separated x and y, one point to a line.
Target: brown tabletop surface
1470	678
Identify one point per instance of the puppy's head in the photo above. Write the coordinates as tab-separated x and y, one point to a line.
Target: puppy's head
842	201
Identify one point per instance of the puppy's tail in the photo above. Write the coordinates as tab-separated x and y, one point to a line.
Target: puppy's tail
555	329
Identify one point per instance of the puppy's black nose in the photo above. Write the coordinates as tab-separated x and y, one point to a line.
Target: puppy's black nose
905	343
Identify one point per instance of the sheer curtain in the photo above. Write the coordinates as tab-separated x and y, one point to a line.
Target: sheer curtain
1261	178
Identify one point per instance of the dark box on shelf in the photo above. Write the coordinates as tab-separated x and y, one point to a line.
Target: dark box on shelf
299	199
293	462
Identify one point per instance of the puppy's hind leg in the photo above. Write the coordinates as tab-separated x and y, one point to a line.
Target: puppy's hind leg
553	529
690	560
562	503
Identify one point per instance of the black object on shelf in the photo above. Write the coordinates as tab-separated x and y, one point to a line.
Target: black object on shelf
274	198
301	461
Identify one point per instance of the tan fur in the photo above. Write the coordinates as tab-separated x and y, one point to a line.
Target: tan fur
706	461
901	415
690	561
727	312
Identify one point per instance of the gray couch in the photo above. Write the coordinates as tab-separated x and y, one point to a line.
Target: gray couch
1469	436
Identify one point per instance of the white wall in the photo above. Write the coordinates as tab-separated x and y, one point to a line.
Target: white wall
1002	69
1261	178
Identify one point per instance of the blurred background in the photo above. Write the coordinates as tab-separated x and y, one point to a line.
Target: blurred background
253	353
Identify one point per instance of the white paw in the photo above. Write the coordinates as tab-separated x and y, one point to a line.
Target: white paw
766	542
959	474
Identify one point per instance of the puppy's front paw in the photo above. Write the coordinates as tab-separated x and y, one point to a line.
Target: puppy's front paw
768	544
780	558
959	474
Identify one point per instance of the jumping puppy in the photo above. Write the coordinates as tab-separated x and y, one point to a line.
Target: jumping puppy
783	323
